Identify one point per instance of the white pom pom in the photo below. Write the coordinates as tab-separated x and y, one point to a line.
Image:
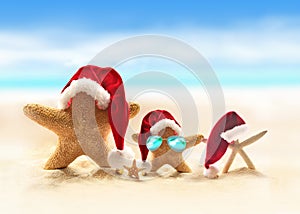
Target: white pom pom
211	172
144	164
118	158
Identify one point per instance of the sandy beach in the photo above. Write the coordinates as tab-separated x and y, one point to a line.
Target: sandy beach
83	188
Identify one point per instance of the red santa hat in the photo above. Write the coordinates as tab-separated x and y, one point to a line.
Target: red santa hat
225	131
152	124
105	85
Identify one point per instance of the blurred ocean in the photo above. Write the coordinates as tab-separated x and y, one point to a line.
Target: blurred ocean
226	79
154	71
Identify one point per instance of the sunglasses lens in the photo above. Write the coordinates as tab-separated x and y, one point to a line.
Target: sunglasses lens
153	143
177	143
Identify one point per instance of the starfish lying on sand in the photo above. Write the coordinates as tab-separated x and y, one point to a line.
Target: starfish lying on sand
164	155
133	171
62	122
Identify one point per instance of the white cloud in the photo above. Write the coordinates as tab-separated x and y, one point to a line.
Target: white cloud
267	41
23	46
256	46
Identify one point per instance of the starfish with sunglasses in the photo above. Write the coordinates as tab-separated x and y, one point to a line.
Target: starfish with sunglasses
167	148
162	135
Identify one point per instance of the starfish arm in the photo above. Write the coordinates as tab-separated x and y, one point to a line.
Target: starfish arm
246	159
51	118
193	140
156	164
183	168
230	160
66	152
134	109
253	139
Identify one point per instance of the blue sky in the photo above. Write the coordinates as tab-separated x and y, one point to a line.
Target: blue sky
102	16
49	40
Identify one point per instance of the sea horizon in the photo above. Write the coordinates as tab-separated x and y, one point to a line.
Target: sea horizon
225	79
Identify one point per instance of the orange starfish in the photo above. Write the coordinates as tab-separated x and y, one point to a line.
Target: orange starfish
63	123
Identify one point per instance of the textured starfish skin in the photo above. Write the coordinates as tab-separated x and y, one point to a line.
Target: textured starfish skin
164	155
61	123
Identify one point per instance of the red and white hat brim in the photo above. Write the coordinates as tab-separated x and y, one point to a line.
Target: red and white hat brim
88	86
234	133
164	123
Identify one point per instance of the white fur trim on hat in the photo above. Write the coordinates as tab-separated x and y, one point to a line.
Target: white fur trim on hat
233	134
211	172
164	123
118	158
88	86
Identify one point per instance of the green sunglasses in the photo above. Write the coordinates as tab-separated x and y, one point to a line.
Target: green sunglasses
176	143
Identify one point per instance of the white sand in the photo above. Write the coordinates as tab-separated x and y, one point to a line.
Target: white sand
274	188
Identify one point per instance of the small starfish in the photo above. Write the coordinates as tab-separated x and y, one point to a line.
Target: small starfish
237	147
63	123
164	155
133	171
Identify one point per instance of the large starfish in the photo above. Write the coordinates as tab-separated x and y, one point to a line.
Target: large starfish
68	126
164	155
